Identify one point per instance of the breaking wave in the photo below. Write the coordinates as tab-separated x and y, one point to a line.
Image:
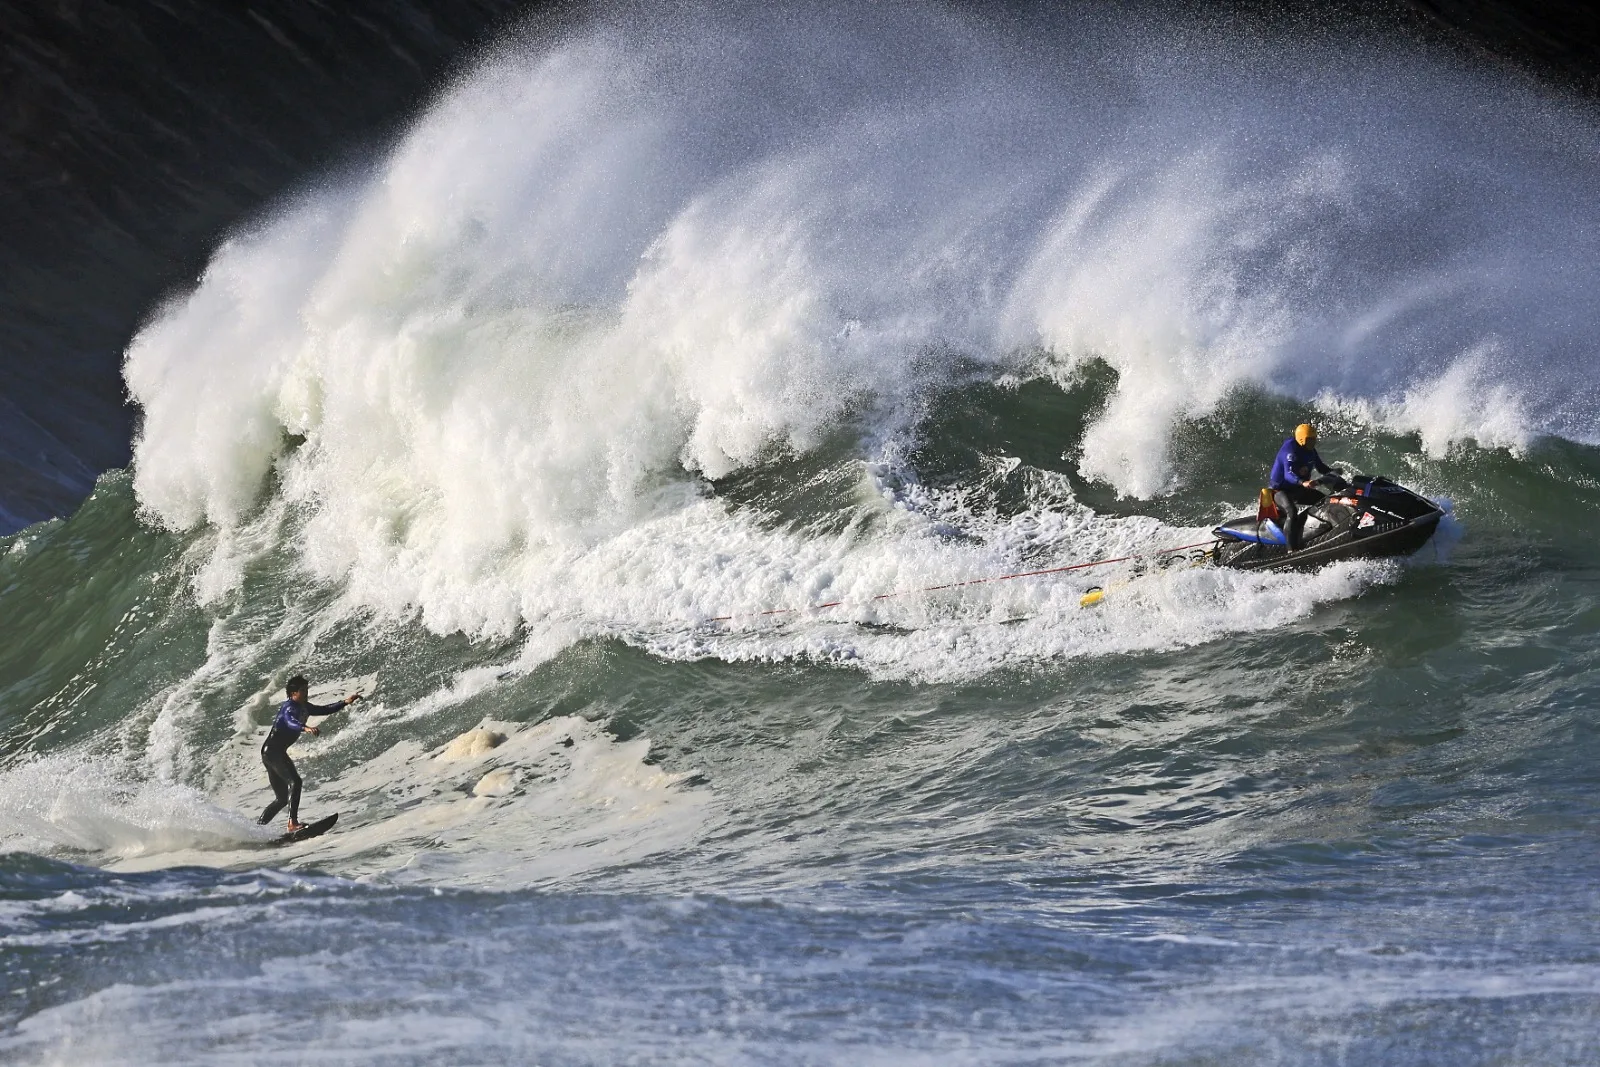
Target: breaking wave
670	248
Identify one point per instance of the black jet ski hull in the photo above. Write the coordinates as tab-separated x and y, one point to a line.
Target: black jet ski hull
1401	541
1399	522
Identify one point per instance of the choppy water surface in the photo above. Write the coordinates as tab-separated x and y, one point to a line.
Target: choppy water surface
668	322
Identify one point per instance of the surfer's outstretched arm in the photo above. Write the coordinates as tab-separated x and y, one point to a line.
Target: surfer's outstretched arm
328	709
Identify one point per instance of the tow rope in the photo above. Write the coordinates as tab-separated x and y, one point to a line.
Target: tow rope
961	585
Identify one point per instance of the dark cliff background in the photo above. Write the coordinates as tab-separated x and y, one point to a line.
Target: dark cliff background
134	135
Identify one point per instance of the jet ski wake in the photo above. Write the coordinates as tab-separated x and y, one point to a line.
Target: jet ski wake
1369	517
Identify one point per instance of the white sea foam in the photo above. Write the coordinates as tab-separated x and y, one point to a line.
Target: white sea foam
1468	401
86	804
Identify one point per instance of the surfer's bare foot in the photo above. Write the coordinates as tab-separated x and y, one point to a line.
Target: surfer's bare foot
295	827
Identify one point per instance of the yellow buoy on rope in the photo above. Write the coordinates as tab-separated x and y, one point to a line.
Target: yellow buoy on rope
1097	593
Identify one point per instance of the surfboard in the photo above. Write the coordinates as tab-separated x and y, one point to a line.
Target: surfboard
316	829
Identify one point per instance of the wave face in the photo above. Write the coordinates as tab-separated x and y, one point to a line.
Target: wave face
665	323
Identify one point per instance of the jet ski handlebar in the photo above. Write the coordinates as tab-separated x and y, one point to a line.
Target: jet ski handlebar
1329	484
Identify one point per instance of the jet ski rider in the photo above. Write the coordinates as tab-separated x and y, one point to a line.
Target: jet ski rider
1292	478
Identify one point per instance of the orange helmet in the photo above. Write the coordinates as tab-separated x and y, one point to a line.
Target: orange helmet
1305	434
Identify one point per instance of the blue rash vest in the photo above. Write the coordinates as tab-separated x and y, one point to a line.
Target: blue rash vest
1294	465
290	721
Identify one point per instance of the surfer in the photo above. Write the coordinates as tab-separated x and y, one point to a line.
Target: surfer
1291	478
292	720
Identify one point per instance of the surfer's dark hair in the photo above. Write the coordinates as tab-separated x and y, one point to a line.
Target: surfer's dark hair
297	684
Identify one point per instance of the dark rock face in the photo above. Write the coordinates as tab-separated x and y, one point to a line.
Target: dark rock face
131	137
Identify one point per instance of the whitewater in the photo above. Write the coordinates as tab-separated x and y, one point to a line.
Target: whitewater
657	321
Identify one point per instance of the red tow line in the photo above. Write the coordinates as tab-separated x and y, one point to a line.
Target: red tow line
960	585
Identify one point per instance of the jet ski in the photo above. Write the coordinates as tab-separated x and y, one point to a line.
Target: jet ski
1364	518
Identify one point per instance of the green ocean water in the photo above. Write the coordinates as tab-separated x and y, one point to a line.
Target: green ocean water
1367	830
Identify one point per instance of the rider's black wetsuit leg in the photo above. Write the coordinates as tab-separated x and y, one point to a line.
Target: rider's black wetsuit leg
1288	501
285	783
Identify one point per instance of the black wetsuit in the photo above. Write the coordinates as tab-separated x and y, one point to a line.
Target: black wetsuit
286	729
1293	465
